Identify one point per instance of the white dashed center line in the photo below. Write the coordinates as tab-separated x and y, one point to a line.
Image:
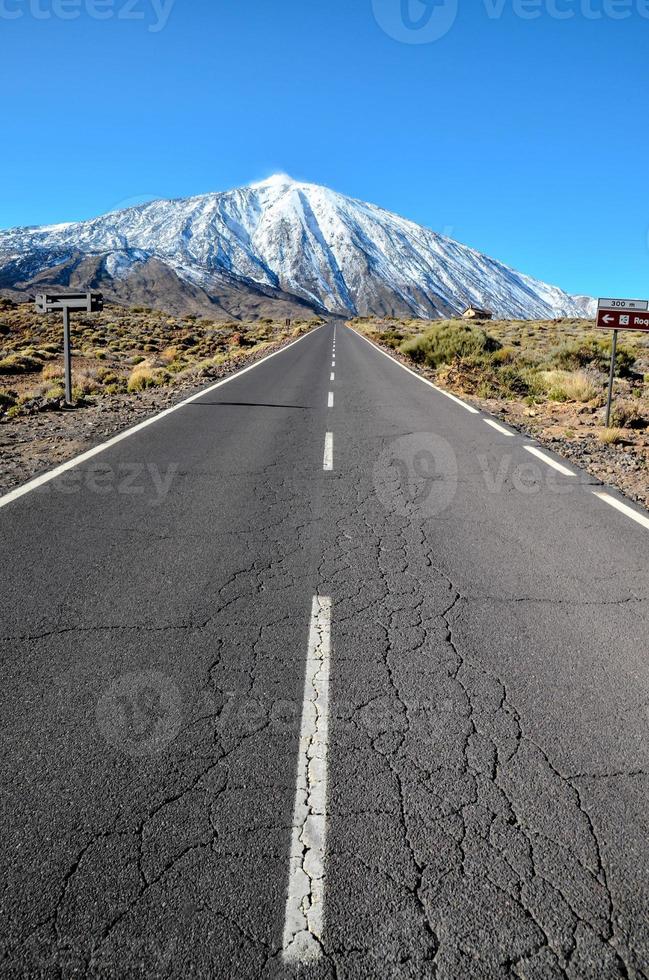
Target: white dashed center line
548	459
303	920
333	377
330	402
328	463
499	428
623	508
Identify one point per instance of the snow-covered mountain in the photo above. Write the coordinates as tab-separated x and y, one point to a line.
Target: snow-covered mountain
278	245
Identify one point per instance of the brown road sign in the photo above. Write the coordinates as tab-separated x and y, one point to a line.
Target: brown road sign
623	314
620	314
622	320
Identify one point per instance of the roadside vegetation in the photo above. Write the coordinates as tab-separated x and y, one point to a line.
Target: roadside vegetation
548	378
121	352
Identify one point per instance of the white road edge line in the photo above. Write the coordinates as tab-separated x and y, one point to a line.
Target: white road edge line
333	377
328	462
548	459
623	508
447	394
498	427
39	481
304	914
330	400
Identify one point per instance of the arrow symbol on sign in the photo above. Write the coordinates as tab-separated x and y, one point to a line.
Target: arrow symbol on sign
608	318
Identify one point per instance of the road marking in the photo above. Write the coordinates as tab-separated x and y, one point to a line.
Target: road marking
498	428
39	481
447	394
548	459
333	363
303	918
330	403
333	377
328	463
623	508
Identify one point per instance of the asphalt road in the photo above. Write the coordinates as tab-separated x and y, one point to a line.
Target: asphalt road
439	767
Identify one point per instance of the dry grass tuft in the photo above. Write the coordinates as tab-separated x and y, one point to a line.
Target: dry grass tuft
566	386
52	372
144	376
610	437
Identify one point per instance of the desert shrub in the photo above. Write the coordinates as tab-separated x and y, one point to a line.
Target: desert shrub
54	392
51	371
610	437
564	386
144	376
392	338
106	376
169	354
506	355
20	364
445	342
513	382
7	400
85	382
629	414
591	353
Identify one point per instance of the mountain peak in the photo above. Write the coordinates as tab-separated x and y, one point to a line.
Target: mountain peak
279	237
276	180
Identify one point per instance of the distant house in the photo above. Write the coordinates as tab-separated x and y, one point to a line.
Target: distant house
475	313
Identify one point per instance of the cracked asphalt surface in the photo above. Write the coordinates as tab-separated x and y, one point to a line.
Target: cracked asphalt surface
487	760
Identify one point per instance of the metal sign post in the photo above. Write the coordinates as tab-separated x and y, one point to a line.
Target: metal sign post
611	380
88	302
615	315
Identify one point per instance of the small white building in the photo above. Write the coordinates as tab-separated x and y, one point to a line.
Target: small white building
475	313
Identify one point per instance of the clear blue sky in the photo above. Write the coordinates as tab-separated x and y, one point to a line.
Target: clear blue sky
526	138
